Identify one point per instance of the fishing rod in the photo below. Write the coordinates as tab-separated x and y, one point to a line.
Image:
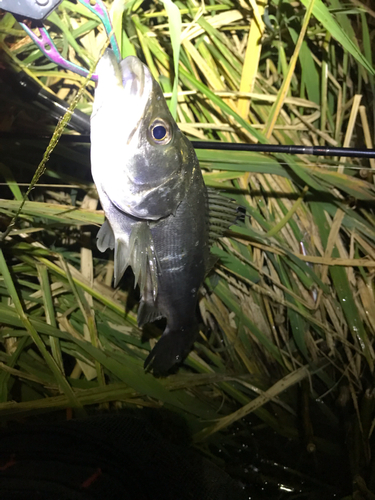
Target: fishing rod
292	150
28	89
214	145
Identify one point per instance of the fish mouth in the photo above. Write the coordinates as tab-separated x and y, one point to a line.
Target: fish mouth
133	76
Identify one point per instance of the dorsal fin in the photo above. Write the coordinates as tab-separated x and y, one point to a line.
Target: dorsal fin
223	213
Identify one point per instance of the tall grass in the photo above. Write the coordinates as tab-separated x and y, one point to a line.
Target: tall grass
288	315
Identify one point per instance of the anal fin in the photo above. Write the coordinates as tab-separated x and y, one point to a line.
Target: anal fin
147	313
143	257
211	262
121	260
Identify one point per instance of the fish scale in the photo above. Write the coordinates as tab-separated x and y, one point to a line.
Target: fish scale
184	239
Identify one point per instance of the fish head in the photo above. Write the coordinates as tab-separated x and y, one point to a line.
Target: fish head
140	159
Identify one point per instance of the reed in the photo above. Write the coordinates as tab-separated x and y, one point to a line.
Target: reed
288	318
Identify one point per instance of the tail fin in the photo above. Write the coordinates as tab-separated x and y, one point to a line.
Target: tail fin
172	348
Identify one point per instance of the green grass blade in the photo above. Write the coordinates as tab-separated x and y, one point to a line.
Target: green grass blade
62	382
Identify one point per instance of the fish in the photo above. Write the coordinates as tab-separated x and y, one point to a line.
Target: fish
156	204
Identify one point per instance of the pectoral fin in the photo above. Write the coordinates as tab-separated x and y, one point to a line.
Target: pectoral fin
121	260
136	251
133	245
105	237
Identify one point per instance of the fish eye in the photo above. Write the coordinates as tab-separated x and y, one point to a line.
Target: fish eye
160	132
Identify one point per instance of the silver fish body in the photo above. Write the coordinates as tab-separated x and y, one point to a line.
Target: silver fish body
155	201
181	243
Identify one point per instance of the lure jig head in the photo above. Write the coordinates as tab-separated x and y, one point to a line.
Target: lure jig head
38	10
